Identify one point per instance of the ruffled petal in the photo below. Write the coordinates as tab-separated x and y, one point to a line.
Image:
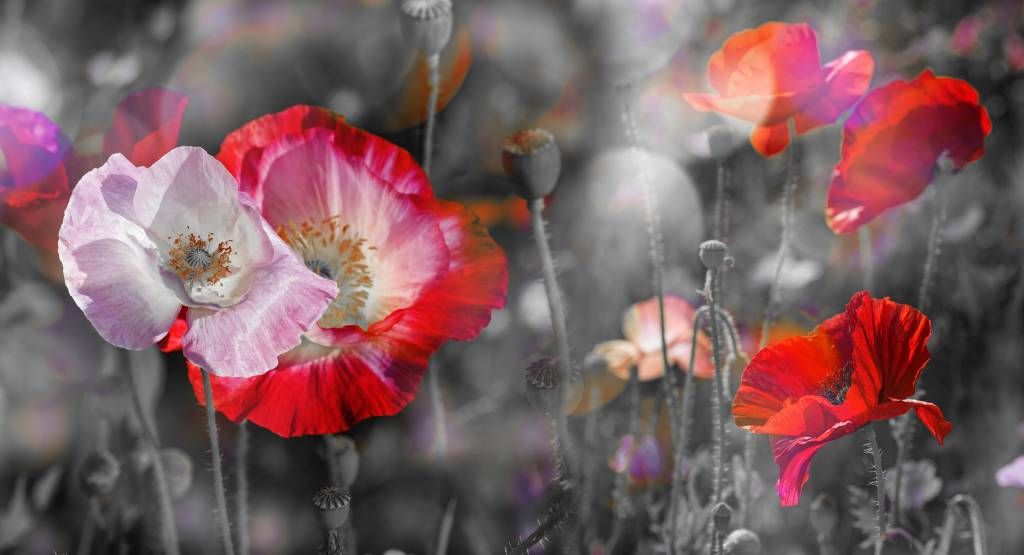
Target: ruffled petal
111	269
929	413
641	324
146	125
284	301
794	454
619	356
847	78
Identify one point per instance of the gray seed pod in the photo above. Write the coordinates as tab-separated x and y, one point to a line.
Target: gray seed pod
533	162
427	24
720	142
721	515
713	254
742	542
332	507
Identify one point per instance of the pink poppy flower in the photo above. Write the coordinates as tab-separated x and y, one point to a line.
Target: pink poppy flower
413	271
642	344
139	244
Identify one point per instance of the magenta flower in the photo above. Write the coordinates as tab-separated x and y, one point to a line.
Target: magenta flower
139	244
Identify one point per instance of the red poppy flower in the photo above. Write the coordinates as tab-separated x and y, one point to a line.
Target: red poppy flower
413	271
773	73
856	367
42	168
893	140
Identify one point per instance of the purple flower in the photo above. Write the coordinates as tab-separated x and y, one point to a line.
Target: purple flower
1012	475
642	459
139	244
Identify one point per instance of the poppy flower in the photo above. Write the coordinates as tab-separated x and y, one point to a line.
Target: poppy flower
893	141
139	244
413	271
42	166
641	347
856	367
773	73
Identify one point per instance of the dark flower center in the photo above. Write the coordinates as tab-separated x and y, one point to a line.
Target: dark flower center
198	258
838	384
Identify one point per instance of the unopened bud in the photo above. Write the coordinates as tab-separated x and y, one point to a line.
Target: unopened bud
742	542
332	507
532	161
427	24
721	515
824	516
713	254
99	474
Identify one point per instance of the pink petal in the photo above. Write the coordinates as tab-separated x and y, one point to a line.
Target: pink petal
1012	475
794	454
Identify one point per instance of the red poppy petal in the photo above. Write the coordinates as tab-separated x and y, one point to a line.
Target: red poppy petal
794	454
242	149
769	141
172	341
847	78
929	413
146	125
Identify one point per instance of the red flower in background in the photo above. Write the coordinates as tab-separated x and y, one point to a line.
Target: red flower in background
893	140
773	73
42	167
413	271
856	367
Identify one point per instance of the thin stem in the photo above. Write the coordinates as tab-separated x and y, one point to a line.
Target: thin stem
433	61
978	541
620	495
718	395
445	532
879	483
719	231
168	530
438	413
242	483
788	194
867	262
557	321
218	471
92	517
554	519
935	238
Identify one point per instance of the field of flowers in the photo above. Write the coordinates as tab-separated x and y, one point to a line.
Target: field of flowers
494	276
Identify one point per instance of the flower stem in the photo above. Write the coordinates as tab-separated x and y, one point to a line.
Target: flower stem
977	525
867	263
879	482
92	516
433	61
935	238
218	471
242	478
168	531
718	400
445	531
788	194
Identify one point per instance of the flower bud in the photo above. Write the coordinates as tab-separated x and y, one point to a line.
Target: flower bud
344	459
99	474
721	515
720	142
427	24
532	161
332	507
824	515
713	254
742	542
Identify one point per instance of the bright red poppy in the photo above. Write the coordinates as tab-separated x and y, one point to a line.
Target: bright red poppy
893	141
413	271
856	367
773	73
41	167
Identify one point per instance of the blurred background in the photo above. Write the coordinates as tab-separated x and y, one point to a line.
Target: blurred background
582	69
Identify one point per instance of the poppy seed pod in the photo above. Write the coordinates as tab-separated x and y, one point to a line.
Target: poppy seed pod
742	542
721	515
427	24
343	459
99	474
720	142
713	254
824	516
532	161
332	504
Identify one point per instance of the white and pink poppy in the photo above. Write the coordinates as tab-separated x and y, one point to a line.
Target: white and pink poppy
139	245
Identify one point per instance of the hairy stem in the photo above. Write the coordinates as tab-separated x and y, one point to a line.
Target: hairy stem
935	238
168	530
218	471
867	262
242	484
788	194
433	61
718	395
879	483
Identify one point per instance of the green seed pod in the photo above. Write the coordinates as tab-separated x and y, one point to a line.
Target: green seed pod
427	24
332	507
721	515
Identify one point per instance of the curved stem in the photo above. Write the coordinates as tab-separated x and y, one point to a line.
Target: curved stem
242	477
879	483
218	471
433	61
168	530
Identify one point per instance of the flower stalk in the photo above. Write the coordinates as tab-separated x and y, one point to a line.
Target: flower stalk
218	471
242	484
788	194
871	448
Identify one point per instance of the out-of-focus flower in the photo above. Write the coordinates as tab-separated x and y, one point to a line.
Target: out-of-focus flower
642	458
41	167
966	34
856	367
413	271
920	484
137	244
894	140
1012	475
773	73
642	345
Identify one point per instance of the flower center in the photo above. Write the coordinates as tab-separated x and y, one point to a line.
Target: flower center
334	251
199	260
837	385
